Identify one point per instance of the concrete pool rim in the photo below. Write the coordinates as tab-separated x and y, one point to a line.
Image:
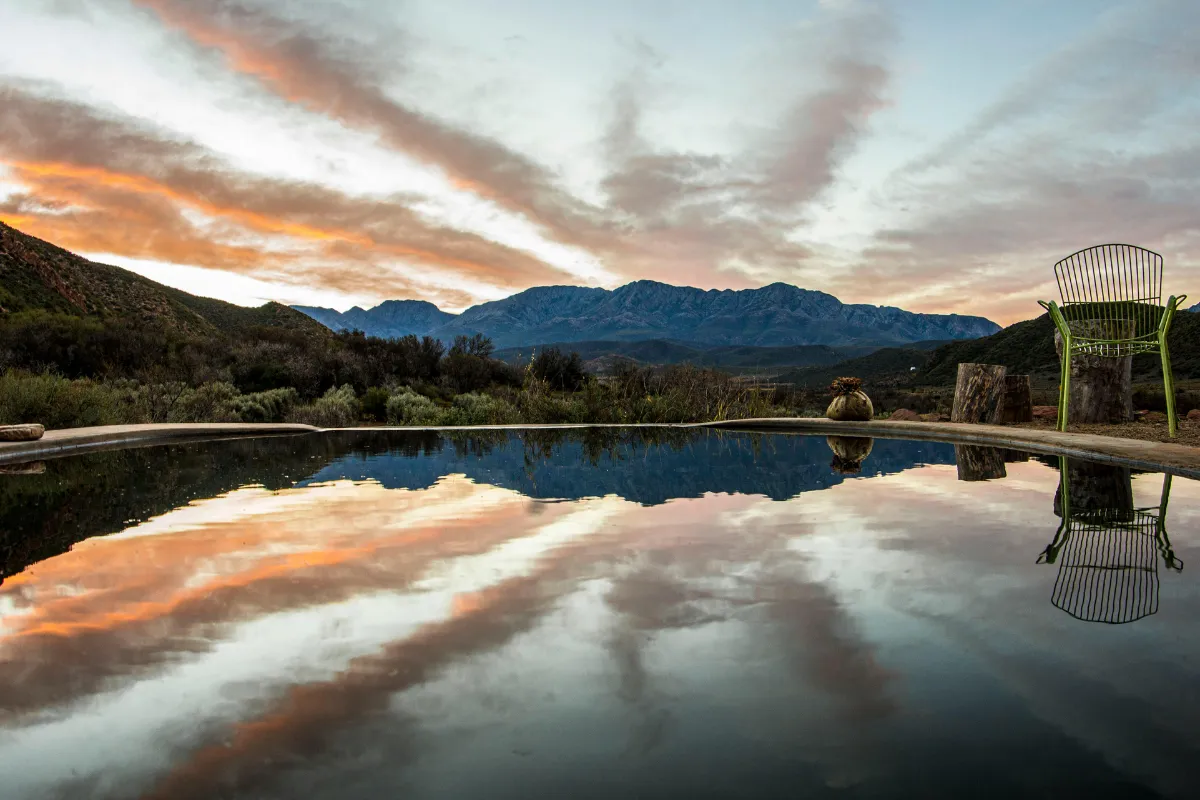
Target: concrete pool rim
1175	459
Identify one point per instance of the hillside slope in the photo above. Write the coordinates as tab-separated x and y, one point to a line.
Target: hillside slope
38	276
887	363
1028	348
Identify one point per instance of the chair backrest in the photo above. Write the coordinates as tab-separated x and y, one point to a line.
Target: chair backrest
1119	284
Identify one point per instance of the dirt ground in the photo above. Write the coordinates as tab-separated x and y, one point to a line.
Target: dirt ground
1189	430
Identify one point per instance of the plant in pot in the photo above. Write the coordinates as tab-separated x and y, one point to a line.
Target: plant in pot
850	402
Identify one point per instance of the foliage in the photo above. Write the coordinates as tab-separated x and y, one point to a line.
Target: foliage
841	386
477	345
480	409
337	408
59	402
558	370
374	404
409	408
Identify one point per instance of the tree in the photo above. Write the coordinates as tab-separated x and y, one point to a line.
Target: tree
477	345
559	370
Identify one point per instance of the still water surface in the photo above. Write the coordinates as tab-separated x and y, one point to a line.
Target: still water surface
374	615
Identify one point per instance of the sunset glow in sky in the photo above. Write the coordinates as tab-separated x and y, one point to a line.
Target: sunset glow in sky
932	154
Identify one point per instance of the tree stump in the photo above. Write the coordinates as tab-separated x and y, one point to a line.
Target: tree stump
1097	489
1101	387
978	393
21	433
1018	399
979	463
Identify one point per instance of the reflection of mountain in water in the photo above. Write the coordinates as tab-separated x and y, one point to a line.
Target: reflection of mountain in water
647	472
42	515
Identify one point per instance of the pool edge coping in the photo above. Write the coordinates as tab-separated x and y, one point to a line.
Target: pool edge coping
1176	459
72	441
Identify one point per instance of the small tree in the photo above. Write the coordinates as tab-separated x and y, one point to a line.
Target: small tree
559	370
477	345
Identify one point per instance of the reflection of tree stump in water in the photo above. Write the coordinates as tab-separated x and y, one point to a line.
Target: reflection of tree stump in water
849	452
979	463
1107	550
1100	488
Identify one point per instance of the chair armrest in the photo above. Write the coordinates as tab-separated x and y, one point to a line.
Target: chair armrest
1057	317
1173	304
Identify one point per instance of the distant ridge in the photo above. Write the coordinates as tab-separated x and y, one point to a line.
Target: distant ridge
776	315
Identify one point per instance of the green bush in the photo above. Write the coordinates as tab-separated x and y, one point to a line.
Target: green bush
410	408
212	402
480	409
374	404
337	408
57	402
273	405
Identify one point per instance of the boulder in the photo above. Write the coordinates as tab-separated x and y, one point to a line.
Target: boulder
21	433
904	415
1045	412
1151	416
1194	415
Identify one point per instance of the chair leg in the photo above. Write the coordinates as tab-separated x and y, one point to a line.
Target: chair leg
1064	387
1169	388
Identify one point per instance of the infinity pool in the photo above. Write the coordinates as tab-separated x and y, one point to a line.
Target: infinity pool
610	614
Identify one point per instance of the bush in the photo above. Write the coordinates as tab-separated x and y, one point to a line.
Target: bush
337	408
480	409
374	403
212	402
269	406
410	408
57	402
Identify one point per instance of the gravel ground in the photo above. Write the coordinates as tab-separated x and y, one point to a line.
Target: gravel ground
1189	430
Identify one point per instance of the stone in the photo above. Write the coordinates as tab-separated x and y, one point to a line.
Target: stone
1194	415
1045	412
21	433
1152	416
904	415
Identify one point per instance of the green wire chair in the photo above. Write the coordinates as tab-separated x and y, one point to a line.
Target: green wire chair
1112	307
1108	558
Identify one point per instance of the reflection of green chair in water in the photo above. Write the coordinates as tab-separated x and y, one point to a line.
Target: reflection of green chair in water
1108	552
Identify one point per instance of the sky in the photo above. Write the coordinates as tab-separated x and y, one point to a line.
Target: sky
934	155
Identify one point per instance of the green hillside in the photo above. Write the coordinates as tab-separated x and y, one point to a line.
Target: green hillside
1028	348
38	276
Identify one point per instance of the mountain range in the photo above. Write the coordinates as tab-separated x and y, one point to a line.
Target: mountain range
773	316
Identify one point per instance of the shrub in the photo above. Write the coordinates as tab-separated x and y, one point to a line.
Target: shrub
57	402
410	408
273	405
212	402
480	409
337	408
374	403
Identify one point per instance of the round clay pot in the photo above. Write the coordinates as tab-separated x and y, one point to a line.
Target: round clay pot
855	406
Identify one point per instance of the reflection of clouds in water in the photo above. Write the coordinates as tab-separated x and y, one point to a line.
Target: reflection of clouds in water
285	624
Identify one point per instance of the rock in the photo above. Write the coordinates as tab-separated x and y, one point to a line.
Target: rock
935	417
1045	412
1194	415
905	415
1152	416
21	433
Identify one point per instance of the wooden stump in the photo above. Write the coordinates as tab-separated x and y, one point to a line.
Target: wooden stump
1097	488
979	463
1018	399
1014	456
21	433
978	393
1101	387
